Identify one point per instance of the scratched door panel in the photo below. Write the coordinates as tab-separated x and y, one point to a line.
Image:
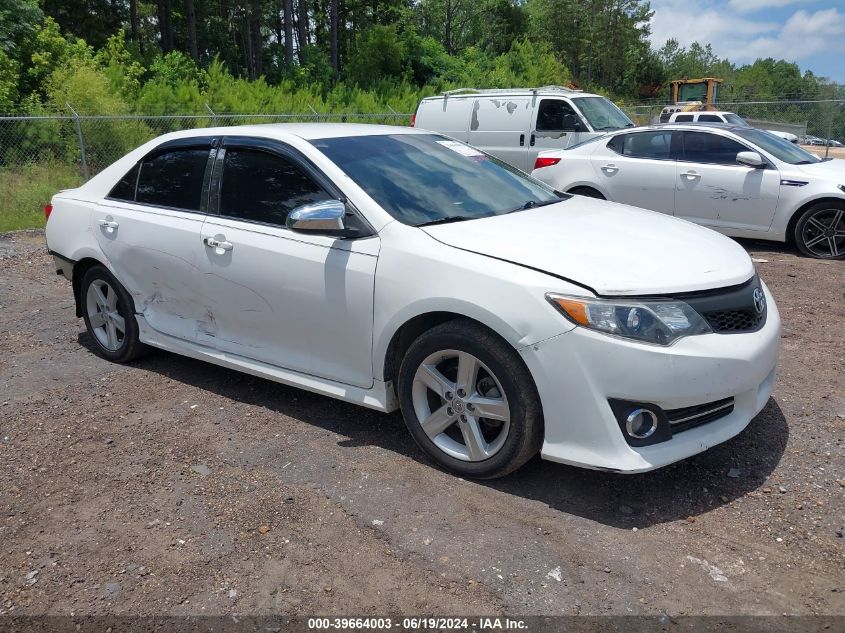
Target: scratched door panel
498	124
154	253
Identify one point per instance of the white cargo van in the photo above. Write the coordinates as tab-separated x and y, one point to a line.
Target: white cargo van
514	125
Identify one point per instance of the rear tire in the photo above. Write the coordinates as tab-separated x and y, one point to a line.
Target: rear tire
450	377
820	231
109	316
587	192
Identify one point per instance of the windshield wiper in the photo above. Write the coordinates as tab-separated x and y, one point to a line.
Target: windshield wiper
445	220
532	204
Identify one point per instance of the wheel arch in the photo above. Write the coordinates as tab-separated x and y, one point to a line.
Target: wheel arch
797	213
81	267
574	189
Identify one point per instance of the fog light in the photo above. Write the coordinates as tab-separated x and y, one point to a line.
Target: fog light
641	423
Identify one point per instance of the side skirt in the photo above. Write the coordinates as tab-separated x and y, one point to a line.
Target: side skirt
380	397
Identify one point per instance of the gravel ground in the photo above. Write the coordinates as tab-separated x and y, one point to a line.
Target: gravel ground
171	486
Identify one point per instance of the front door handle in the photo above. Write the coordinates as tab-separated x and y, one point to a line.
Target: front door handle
521	140
109	224
690	175
221	244
610	168
532	139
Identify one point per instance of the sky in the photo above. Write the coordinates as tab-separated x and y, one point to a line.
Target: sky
808	32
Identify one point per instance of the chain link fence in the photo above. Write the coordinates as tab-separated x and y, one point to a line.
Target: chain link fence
818	124
88	144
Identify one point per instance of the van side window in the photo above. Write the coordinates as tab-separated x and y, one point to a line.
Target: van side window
710	118
683	118
556	115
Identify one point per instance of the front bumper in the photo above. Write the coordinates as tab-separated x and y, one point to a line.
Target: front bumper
577	372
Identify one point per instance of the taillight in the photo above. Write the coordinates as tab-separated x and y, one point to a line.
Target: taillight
413	119
545	161
48	209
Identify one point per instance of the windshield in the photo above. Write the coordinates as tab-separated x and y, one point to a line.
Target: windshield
426	178
602	113
736	119
778	147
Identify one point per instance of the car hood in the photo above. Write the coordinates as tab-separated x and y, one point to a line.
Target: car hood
612	248
832	169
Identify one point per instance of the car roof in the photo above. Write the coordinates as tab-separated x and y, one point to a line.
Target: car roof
689	125
306	131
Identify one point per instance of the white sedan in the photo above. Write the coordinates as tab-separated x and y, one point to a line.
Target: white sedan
737	180
396	268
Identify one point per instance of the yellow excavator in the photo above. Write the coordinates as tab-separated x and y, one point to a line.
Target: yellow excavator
691	95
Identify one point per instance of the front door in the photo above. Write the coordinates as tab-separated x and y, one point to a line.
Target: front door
556	126
714	190
301	301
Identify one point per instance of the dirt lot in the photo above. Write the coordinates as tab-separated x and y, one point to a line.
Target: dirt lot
835	152
171	486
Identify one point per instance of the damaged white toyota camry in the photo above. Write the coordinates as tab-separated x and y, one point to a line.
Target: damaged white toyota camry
396	268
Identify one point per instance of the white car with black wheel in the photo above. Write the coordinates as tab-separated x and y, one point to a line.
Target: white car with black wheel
397	268
737	180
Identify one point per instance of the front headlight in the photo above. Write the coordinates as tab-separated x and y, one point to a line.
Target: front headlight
659	322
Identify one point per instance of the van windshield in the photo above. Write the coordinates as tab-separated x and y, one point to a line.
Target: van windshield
427	178
602	113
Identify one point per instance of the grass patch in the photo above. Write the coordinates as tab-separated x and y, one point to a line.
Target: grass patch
25	190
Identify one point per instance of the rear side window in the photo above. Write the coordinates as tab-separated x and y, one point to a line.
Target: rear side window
655	145
125	187
556	115
262	187
703	147
683	118
710	118
173	178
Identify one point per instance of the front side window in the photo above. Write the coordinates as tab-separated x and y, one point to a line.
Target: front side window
704	147
173	179
263	187
654	145
556	115
424	178
778	147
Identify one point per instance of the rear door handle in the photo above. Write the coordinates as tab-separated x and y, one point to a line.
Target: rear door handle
222	245
109	224
610	168
521	140
690	175
532	140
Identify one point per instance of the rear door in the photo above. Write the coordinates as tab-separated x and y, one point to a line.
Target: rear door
638	168
556	126
449	116
714	190
297	300
500	126
149	229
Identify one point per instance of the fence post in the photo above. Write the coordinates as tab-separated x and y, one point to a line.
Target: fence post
829	131
79	136
213	115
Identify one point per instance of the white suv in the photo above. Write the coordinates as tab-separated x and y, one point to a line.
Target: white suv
395	268
738	180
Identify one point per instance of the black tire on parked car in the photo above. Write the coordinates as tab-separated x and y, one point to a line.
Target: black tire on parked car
469	401
820	231
587	192
109	317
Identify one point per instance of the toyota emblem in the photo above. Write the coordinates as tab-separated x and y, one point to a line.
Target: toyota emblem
759	301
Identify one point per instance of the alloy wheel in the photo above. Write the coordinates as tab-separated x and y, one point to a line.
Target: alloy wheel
823	233
107	325
461	405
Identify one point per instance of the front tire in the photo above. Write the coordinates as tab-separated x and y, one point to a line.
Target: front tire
469	401
820	231
109	317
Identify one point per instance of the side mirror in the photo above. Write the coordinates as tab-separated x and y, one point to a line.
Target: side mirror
751	159
319	216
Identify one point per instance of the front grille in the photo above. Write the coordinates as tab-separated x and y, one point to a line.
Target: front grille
734	320
691	417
